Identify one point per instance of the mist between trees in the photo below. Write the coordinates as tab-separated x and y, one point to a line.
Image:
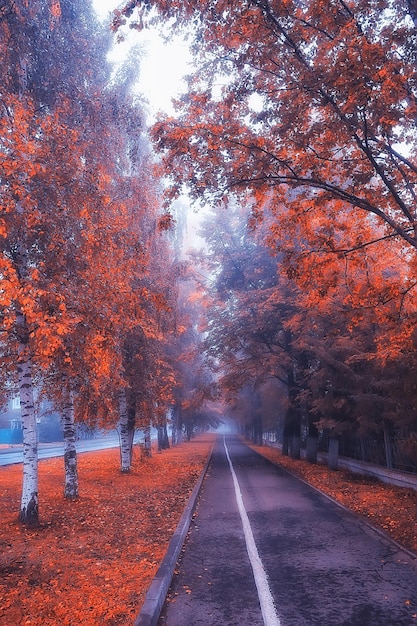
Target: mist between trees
298	314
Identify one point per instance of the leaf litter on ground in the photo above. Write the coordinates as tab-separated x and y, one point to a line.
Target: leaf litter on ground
92	560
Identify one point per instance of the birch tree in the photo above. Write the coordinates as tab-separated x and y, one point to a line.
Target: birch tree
73	256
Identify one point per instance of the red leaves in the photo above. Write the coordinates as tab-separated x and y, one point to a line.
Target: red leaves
166	222
394	509
92	560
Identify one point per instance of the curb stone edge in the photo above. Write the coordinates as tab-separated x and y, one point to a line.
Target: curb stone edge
158	590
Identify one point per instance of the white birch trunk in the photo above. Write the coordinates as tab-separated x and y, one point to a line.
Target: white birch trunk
125	438
29	507
70	451
148	441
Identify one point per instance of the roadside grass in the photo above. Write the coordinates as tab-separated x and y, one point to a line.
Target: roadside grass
92	560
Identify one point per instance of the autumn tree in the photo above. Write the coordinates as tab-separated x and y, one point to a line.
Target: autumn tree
309	105
250	304
194	405
308	109
316	335
74	258
317	96
35	317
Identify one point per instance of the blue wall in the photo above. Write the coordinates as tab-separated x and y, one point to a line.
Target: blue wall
11	435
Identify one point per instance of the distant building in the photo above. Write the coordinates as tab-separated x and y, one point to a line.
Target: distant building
11	432
11	421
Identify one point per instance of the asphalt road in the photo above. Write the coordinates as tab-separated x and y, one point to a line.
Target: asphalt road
282	554
10	456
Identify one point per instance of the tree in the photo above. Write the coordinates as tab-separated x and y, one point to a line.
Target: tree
250	306
316	111
74	258
314	122
35	319
318	97
315	331
37	136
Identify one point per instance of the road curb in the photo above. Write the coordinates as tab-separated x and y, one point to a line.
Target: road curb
362	520
379	531
157	592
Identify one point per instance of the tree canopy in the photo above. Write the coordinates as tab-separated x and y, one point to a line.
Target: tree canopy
306	113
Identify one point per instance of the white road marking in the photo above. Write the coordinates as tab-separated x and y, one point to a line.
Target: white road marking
266	600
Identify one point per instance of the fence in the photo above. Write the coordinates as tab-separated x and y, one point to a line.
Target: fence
397	450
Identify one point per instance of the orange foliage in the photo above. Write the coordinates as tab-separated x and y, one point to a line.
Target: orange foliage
324	148
91	561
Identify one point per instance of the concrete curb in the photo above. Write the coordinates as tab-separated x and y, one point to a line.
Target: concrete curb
379	531
157	592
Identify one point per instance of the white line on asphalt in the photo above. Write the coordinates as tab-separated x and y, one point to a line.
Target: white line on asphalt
264	593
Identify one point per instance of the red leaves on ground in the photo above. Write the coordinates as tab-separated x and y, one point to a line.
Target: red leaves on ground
392	509
91	561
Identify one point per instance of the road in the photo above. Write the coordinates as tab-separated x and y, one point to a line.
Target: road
10	456
266	549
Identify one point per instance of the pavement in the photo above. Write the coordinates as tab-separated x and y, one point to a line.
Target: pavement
13	453
321	564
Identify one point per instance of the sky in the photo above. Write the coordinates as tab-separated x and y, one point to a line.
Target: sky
162	69
162	66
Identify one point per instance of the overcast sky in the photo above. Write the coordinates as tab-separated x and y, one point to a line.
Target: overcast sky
162	69
162	66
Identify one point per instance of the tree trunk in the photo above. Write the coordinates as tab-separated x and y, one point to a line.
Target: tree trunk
295	446
163	439
177	423
125	438
292	425
311	450
70	451
160	438
148	442
333	454
291	438
29	506
286	437
173	427
258	430
312	443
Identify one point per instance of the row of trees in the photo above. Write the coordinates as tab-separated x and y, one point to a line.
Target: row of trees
299	131
295	360
90	279
304	115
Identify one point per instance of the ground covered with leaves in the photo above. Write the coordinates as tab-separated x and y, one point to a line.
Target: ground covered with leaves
389	508
91	561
